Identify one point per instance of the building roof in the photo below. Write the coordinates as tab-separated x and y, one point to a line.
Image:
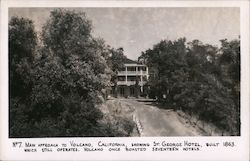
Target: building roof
129	61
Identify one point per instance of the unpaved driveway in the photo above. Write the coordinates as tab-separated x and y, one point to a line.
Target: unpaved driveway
160	122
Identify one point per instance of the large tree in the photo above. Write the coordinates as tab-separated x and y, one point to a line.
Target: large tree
66	77
197	78
229	60
70	76
167	67
22	46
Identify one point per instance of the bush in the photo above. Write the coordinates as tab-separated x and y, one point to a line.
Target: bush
56	86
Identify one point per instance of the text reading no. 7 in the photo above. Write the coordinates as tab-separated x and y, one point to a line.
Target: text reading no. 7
17	144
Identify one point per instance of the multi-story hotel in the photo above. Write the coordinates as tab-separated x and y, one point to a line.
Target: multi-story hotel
132	79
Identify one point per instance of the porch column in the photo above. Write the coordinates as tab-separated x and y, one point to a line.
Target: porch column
126	74
141	80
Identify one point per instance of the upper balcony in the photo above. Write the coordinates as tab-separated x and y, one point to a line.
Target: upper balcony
132	73
129	83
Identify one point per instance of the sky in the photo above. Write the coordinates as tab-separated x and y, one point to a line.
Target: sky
138	29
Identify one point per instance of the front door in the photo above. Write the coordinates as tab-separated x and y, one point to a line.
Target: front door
132	91
121	91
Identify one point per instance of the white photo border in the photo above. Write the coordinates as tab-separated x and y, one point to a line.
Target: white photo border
239	153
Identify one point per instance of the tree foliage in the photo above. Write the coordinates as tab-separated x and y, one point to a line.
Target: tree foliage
116	61
22	44
197	78
63	78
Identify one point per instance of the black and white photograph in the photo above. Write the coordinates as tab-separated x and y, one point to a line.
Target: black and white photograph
124	80
124	72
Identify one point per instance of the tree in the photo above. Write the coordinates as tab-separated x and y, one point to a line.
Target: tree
197	78
116	63
66	77
70	79
230	62
22	46
167	68
62	80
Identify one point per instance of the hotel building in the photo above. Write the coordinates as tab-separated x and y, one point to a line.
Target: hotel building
132	80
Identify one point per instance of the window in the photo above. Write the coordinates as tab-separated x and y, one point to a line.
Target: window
132	91
121	91
131	68
131	78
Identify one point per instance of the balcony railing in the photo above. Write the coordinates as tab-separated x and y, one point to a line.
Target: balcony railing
129	83
132	73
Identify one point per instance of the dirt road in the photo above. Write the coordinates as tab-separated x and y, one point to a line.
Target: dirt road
160	122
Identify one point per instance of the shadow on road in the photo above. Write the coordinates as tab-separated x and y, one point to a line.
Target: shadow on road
153	102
